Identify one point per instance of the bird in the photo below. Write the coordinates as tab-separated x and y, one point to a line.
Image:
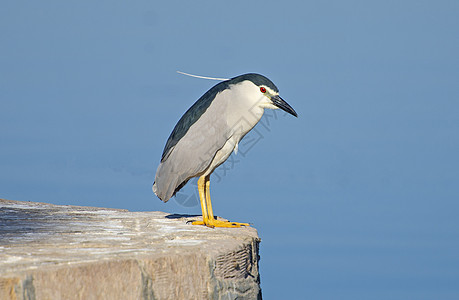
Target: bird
208	132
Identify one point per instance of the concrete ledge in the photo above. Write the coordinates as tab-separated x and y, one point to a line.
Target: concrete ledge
71	252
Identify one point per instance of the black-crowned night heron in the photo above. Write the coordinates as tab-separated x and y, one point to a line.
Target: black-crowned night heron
208	132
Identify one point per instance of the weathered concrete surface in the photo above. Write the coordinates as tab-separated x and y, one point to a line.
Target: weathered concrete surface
71	252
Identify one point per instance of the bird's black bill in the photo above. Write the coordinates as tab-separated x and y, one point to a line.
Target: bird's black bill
279	102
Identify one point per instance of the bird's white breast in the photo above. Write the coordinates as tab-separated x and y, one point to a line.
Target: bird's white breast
243	109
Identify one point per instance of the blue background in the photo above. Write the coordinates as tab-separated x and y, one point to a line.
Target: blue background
355	199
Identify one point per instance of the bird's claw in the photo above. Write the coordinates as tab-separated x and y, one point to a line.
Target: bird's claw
218	223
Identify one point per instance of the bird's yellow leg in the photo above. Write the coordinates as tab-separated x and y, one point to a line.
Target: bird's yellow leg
202	197
212	222
208	204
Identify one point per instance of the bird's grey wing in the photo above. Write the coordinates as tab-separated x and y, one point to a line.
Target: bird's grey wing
191	116
193	152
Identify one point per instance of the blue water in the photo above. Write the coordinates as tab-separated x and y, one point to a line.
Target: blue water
355	199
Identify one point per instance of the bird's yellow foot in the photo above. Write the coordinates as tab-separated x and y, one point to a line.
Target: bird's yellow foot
219	223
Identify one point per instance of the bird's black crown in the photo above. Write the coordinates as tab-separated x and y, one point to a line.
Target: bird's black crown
257	79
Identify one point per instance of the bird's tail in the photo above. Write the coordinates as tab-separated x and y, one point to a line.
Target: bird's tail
155	190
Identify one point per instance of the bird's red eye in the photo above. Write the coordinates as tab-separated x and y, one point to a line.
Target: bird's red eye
263	90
